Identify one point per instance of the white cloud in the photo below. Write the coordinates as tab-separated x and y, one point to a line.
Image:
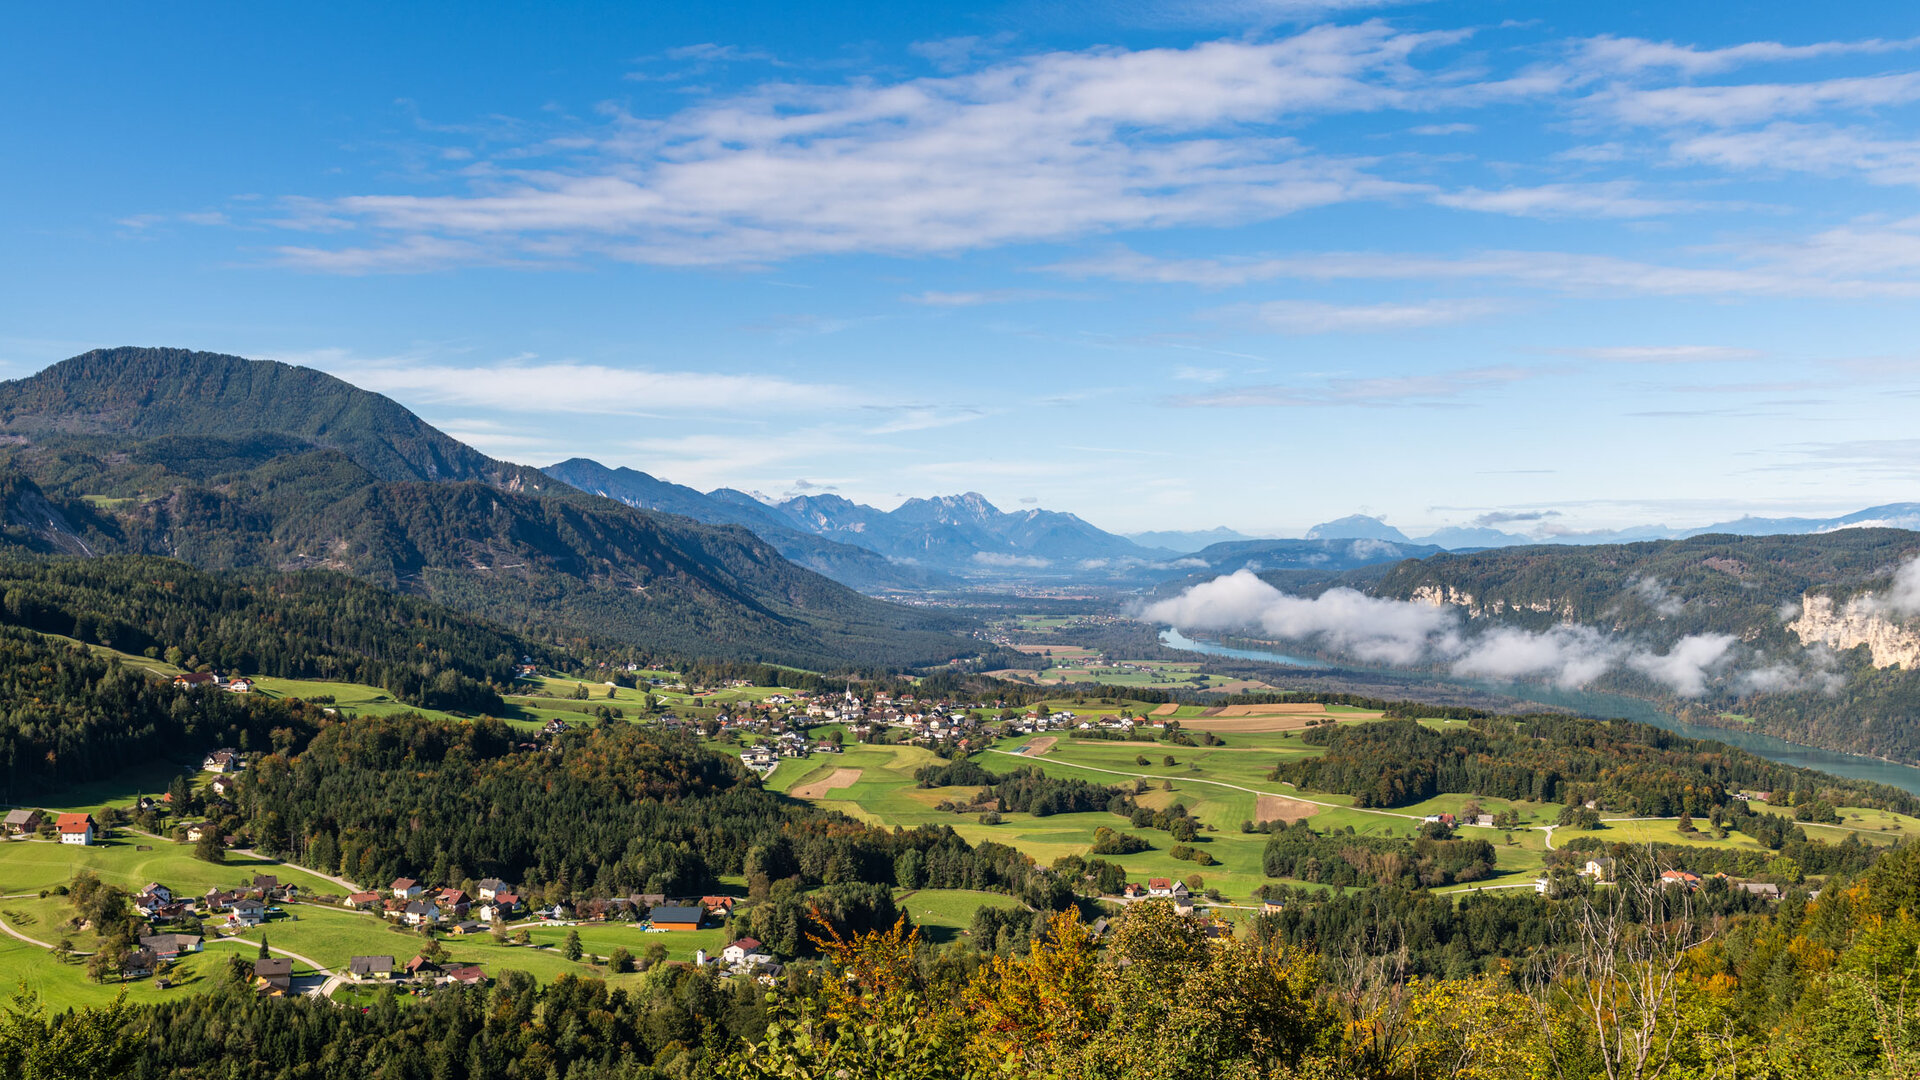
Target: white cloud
1821	149
1315	317
1404	633
1636	55
1008	561
1662	354
527	386
1042	147
1379	390
1852	262
1723	106
1615	199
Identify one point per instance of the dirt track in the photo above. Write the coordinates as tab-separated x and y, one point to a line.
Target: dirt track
841	778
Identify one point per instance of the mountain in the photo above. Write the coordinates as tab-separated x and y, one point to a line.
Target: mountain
1456	537
1184	542
1321	557
110	453
1822	638
959	533
852	566
1890	516
1357	527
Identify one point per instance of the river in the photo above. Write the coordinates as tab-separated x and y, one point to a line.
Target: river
1592	703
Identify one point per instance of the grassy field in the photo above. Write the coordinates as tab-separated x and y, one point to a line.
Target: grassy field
943	915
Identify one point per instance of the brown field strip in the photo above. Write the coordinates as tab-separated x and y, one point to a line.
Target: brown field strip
841	778
1255	725
1168	709
1041	745
1281	808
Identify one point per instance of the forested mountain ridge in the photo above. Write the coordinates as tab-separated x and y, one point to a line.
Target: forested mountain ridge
1814	680
302	625
109	454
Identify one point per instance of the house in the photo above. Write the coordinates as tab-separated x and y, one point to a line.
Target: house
488	888
745	951
222	761
717	905
171	946
76	829
370	967
422	968
501	909
240	685
247	913
197	830
137	963
1133	890
419	913
556	726
672	917
158	891
1183	906
1764	889
195	680
267	884
361	901
22	822
405	888
1679	877
1162	887
222	785
276	972
454	900
1271	907
471	926
467	975
1599	868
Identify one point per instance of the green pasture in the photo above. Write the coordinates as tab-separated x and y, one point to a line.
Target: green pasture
33	865
942	915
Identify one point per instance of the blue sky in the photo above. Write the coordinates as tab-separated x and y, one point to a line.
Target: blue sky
1165	265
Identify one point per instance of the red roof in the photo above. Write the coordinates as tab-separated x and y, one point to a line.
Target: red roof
1159	883
749	944
506	898
75	823
403	883
363	897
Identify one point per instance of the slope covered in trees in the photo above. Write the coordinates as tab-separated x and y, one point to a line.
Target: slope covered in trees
303	625
68	715
110	454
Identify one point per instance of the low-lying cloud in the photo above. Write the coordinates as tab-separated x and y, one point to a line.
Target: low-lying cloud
1403	633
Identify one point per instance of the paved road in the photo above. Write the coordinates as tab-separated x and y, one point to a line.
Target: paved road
307	960
25	938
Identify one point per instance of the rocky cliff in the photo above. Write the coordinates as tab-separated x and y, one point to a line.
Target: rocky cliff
1860	621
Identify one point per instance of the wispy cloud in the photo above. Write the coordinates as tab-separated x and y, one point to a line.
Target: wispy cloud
1614	199
1316	317
1661	354
935	298
1638	55
1381	391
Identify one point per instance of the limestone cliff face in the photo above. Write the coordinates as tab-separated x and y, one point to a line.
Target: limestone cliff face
1857	623
1448	596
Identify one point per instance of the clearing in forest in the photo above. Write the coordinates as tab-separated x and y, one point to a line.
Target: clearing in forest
841	778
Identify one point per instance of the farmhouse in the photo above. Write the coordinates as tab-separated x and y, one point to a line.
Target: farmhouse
1165	888
21	822
221	760
194	680
745	951
405	888
171	946
488	888
240	685
361	901
370	967
247	913
76	829
669	917
418	912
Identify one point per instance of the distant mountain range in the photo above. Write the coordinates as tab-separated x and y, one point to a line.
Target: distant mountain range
231	463
1183	542
916	543
1905	515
